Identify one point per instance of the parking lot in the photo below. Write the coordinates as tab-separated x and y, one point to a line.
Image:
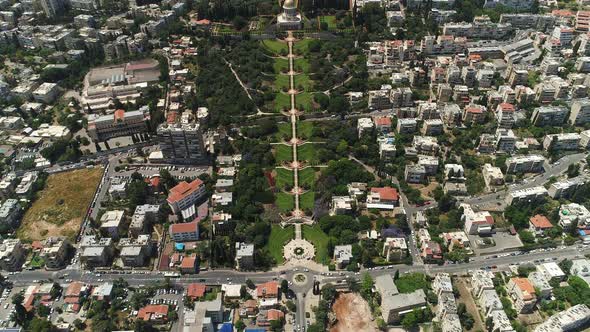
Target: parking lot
179	172
6	306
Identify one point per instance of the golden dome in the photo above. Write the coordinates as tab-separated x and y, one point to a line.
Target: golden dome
289	4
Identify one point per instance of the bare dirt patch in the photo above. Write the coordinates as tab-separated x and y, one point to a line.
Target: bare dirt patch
466	298
61	206
353	314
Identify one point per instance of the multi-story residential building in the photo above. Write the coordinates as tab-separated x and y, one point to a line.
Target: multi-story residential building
111	223
427	145
415	173
551	271
505	140
518	5
565	188
46	92
474	114
382	124
401	97
481	281
10	212
505	115
562	142
574	214
580	112
525	164
244	256
387	148
364	125
52	8
379	99
549	116
136	252
527	21
183	196
406	125
12	254
432	127
182	143
545	92
95	251
120	123
522	293
341	205
184	232
480	222
481	28
429	163
342	255
492	176
571	319
142	218
529	195
55	252
395	249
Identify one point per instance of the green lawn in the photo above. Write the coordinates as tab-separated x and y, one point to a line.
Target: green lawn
303	101
319	239
307	177
304	129
282	100
303	83
301	65
307	201
279	236
307	152
283	153
281	65
301	46
408	283
275	46
284	131
285	202
284	177
331	20
282	82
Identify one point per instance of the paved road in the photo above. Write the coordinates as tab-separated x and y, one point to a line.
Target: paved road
226	276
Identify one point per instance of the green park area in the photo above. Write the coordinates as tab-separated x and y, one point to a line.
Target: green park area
283	153
284	177
307	200
330	20
304	101
307	177
408	283
285	202
279	236
282	102
308	153
319	239
304	129
282	83
276	47
280	65
301	46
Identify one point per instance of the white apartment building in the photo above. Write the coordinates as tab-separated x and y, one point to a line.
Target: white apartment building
562	142
525	164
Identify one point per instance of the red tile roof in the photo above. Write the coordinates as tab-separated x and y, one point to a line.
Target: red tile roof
146	312
383	121
119	114
74	289
507	107
386	193
188	263
540	221
274	314
186	227
183	189
195	290
268	289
